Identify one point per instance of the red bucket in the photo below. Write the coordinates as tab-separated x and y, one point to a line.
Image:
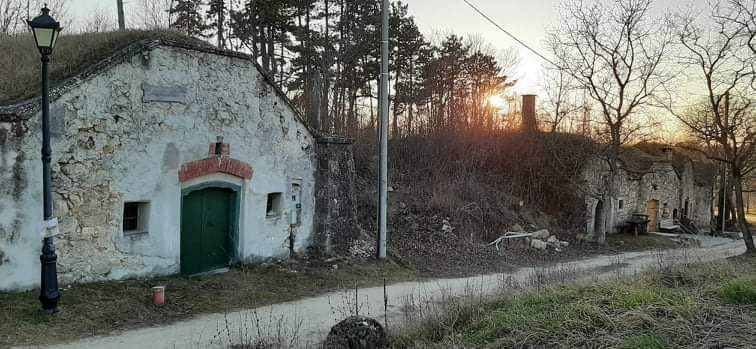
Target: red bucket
158	295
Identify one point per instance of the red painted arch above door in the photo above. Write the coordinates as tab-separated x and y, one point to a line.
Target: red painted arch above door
220	163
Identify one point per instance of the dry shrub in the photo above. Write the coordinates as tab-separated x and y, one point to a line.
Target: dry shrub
479	179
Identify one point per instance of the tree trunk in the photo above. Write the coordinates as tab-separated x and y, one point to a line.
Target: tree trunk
272	52
325	69
264	48
742	223
611	191
726	207
397	95
121	18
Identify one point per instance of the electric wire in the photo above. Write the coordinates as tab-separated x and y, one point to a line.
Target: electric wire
490	20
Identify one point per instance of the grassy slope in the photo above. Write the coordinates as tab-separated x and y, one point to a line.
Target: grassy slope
101	308
19	62
691	306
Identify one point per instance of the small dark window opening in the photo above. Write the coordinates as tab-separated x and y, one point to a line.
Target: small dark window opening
135	216
130	216
621	204
273	206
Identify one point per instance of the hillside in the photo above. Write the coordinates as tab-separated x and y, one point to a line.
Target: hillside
454	193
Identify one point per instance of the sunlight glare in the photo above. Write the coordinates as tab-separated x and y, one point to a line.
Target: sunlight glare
498	102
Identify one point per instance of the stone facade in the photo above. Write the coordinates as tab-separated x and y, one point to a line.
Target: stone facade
336	208
672	187
144	129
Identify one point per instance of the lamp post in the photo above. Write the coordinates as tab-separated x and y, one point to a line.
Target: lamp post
46	31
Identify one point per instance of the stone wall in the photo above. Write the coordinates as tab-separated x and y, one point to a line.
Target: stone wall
15	183
122	135
335	222
629	186
594	188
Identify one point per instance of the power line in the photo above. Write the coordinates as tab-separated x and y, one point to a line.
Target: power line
510	34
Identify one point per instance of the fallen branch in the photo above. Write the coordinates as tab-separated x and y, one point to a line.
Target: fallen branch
508	236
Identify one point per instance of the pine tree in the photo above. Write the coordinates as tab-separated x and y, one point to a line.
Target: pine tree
216	14
407	43
187	17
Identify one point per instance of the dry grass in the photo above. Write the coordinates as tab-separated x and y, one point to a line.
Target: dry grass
643	242
19	62
644	311
98	309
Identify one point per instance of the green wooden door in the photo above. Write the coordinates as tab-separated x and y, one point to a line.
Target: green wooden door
206	223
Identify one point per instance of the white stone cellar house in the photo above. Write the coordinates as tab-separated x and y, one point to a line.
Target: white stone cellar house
168	157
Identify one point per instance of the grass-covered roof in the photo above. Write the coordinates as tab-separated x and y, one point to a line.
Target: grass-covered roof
74	53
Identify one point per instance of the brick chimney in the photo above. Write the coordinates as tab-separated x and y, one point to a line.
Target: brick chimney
529	122
667	151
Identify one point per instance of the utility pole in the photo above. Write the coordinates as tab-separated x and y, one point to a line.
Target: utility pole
384	109
121	19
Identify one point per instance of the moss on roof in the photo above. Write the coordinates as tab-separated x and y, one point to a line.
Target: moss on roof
19	58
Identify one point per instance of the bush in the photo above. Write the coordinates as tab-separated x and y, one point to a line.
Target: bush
739	291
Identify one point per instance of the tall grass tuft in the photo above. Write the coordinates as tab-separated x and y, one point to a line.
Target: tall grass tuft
739	291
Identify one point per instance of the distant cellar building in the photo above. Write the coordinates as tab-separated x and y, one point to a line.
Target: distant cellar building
655	182
169	158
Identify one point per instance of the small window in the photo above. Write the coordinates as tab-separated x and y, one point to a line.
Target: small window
135	217
621	204
273	207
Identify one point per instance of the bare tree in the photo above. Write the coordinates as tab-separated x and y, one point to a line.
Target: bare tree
99	21
742	13
153	14
560	99
11	12
720	57
58	9
616	52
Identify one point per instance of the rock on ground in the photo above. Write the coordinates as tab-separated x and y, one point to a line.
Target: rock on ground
538	244
542	234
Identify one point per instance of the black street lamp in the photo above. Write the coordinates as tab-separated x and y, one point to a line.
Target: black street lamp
46	31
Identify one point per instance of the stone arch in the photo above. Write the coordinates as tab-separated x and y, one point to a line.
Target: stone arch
599	218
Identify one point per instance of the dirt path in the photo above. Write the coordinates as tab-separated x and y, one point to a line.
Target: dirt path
316	315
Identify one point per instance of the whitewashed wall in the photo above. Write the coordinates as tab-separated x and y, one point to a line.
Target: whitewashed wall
112	144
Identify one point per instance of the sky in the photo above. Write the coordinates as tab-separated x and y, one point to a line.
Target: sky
527	20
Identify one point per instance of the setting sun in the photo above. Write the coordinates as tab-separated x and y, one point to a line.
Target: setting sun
497	102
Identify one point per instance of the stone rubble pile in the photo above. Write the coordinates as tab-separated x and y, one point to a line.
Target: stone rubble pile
542	239
446	226
362	249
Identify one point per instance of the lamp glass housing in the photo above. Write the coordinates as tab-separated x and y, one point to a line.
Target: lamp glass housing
46	31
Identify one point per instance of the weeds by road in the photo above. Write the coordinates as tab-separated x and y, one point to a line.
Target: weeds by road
675	305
